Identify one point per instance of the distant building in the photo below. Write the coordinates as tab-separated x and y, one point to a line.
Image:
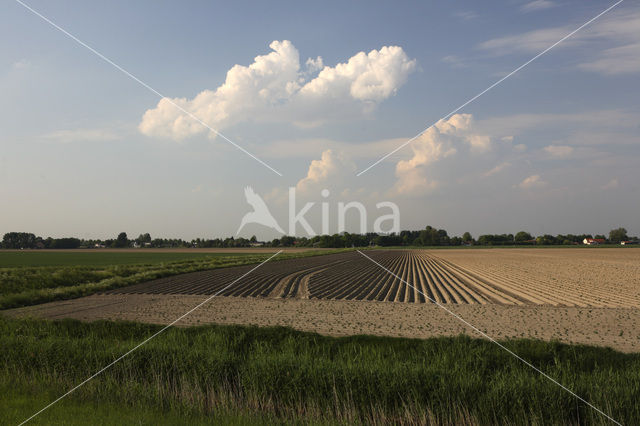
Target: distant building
593	241
626	243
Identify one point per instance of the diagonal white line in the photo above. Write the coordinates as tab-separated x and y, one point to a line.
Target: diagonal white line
142	83
492	86
491	339
162	330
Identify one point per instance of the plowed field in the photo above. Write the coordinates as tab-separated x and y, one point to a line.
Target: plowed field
554	277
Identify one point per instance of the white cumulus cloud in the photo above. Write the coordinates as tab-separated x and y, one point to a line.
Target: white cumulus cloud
330	170
439	141
275	87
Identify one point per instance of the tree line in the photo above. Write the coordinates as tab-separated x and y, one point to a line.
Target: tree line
429	236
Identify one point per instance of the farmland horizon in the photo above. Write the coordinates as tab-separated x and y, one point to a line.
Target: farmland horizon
428	236
390	213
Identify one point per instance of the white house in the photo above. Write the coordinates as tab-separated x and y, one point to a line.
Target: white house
593	241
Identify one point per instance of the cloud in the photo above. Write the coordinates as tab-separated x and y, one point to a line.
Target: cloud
455	61
612	184
497	169
613	42
531	182
535	5
81	135
599	127
558	151
466	15
439	141
616	60
530	42
21	64
330	170
275	88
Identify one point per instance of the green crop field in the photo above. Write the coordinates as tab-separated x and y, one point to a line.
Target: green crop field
13	259
282	375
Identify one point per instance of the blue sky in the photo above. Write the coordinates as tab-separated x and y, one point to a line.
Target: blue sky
87	151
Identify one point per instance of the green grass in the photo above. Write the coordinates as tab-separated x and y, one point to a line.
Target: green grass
17	404
30	285
26	258
289	376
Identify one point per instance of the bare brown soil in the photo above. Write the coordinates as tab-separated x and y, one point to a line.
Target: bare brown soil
618	328
554	277
572	295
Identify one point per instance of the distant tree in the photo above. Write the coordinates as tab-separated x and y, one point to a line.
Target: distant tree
253	239
64	243
432	237
122	240
547	239
18	240
456	241
143	239
617	235
600	237
467	236
495	239
523	236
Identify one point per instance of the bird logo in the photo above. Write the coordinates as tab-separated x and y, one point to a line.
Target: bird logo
260	214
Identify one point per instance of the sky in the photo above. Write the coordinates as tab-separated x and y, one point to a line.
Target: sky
318	92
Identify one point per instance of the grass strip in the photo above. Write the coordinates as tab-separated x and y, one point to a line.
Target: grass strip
291	376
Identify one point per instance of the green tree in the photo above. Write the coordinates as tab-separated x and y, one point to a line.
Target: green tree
143	239
618	234
122	240
467	236
523	236
18	240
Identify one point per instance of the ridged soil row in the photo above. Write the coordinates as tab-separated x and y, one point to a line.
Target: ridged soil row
470	284
591	295
516	295
451	293
383	281
466	293
499	284
325	284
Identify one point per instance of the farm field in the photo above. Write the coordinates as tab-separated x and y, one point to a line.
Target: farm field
36	276
576	296
608	278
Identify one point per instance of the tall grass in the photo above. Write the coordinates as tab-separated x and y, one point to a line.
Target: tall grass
295	376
